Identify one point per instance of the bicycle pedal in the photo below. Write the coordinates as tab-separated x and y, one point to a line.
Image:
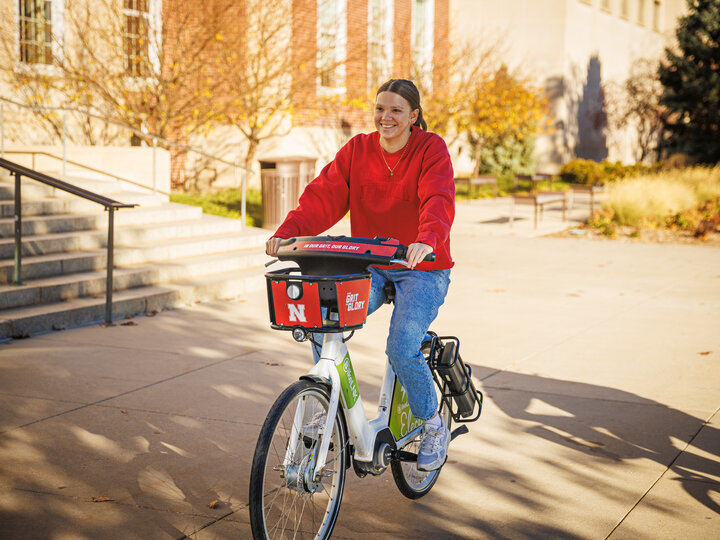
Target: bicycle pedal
459	431
402	455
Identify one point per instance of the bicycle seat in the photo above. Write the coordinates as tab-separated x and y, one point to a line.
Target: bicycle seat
339	255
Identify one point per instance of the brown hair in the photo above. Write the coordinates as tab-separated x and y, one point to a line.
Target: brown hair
407	90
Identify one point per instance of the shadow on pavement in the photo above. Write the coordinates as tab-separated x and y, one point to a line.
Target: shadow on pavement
617	426
139	444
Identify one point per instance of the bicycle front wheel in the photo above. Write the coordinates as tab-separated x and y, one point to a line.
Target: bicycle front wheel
288	497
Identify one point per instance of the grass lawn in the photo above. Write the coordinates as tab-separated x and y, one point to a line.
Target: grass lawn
225	203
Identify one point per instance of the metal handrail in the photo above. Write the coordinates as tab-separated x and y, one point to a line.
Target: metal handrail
83	166
110	206
86	167
146	136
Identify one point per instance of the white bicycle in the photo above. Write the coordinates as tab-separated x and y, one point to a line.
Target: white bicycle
317	427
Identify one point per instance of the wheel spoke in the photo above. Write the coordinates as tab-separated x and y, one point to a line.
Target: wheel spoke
295	505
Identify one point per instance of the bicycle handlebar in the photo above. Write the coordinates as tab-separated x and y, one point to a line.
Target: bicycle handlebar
401	254
337	255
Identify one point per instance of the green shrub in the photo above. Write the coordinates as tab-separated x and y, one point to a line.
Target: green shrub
585	171
509	157
581	171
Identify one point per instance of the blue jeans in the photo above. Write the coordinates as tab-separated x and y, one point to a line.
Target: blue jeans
418	297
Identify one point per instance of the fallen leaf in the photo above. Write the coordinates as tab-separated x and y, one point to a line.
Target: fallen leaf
129	323
272	364
124	411
101	499
151	313
705	353
214	504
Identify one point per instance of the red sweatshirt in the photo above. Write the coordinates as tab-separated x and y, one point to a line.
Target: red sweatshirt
416	204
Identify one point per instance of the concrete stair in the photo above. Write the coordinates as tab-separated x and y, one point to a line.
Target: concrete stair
166	254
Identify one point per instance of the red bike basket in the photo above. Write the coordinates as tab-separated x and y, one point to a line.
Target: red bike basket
296	300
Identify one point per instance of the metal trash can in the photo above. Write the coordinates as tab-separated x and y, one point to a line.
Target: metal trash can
282	181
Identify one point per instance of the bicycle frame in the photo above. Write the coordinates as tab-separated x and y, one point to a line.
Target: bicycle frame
335	359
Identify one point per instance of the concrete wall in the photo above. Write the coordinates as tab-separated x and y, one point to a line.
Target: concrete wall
131	163
571	48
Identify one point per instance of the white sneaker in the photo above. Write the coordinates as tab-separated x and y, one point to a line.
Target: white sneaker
434	443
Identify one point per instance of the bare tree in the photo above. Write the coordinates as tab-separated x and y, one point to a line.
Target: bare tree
635	105
177	71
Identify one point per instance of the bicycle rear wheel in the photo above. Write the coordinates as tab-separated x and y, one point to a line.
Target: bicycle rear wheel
288	498
411	481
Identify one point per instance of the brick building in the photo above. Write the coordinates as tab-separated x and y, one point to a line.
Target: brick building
342	49
373	40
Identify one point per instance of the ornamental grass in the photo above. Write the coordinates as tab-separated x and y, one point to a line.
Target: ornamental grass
653	200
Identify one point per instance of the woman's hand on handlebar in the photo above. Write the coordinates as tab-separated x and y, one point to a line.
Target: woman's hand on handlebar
416	252
272	245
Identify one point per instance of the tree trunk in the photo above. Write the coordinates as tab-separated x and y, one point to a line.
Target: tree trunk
250	156
478	157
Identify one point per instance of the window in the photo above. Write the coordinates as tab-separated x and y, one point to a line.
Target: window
422	43
331	43
36	31
656	15
380	42
136	37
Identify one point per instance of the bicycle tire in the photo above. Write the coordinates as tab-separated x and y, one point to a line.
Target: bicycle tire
411	481
295	510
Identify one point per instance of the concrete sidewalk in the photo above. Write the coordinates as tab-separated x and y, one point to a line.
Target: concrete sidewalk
600	364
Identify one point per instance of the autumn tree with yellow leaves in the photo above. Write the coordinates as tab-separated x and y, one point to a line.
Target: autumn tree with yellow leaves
503	110
181	73
481	102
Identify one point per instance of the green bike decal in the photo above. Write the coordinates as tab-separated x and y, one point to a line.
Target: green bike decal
402	420
348	383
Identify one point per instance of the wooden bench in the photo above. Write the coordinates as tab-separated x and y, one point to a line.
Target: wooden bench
534	179
592	189
539	200
482	180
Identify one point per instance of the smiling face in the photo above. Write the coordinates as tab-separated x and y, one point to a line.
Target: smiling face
393	119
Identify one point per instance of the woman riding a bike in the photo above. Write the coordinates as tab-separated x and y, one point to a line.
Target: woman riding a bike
397	182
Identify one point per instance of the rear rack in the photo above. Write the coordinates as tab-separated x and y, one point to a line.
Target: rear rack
468	395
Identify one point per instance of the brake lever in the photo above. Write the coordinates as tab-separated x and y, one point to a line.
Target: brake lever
400	261
271	262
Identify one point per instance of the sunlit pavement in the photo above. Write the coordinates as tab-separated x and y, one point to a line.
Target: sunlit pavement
600	364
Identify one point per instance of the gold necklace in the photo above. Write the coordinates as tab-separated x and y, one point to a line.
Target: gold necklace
382	155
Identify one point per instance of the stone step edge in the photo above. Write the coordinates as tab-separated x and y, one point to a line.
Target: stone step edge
123	234
123	250
84	284
25	322
143	210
